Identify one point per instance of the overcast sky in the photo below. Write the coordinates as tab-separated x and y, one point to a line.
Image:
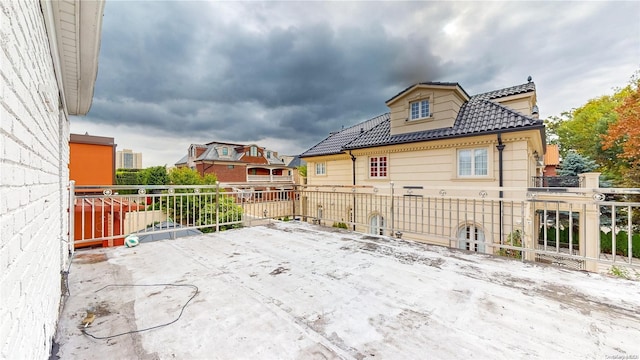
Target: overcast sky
285	74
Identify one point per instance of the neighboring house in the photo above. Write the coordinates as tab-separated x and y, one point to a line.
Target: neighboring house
435	134
92	160
48	71
127	159
295	162
551	160
237	163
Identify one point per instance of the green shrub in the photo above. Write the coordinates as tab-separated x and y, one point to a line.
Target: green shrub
622	243
340	225
513	239
564	237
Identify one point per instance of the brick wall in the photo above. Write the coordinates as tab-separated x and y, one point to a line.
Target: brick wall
33	178
225	174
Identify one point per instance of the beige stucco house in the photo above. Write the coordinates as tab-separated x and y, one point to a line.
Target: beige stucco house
436	135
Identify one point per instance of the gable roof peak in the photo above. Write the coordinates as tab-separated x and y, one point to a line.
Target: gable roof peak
428	83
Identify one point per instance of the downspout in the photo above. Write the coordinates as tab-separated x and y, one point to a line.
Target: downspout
353	172
500	148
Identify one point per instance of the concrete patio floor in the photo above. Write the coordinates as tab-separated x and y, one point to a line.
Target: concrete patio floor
297	291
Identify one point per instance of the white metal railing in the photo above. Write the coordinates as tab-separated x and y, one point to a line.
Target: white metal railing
105	215
573	227
561	226
269	178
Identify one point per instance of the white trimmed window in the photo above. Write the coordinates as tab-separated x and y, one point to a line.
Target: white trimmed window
254	151
321	168
473	162
420	110
225	151
376	224
378	166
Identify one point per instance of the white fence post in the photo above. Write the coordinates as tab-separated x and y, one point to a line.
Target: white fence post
72	215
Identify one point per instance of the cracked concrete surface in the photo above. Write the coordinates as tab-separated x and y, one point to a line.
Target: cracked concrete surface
299	291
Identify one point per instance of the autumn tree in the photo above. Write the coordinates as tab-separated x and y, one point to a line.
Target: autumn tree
583	131
586	130
624	134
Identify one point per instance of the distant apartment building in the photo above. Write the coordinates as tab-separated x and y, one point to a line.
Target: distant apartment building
127	159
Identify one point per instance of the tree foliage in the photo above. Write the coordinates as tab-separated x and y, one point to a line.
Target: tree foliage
228	214
189	207
302	170
128	177
156	175
187	176
607	130
574	164
624	134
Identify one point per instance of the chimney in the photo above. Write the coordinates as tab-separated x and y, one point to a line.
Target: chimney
534	112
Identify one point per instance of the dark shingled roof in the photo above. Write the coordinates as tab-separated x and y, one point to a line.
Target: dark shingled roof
182	161
336	141
518	89
296	162
477	116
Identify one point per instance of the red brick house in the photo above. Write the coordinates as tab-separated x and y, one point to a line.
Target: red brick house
551	160
237	163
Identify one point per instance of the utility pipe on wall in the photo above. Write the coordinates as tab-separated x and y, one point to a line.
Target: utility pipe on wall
353	171
500	148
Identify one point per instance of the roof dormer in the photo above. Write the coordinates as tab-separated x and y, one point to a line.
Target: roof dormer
426	106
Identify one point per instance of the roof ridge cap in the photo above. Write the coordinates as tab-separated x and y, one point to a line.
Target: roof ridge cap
504	88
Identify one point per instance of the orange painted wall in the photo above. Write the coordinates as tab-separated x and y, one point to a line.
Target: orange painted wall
91	164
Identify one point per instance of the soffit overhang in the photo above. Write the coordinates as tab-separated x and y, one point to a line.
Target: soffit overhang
74	29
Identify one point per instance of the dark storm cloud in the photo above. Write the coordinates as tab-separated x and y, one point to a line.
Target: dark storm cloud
246	71
186	71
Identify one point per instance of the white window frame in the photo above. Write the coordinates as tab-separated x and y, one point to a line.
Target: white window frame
421	113
474	168
376	224
225	151
375	173
253	151
471	237
321	168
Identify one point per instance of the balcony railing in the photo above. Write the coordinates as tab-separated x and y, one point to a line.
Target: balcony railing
557	181
269	178
580	228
